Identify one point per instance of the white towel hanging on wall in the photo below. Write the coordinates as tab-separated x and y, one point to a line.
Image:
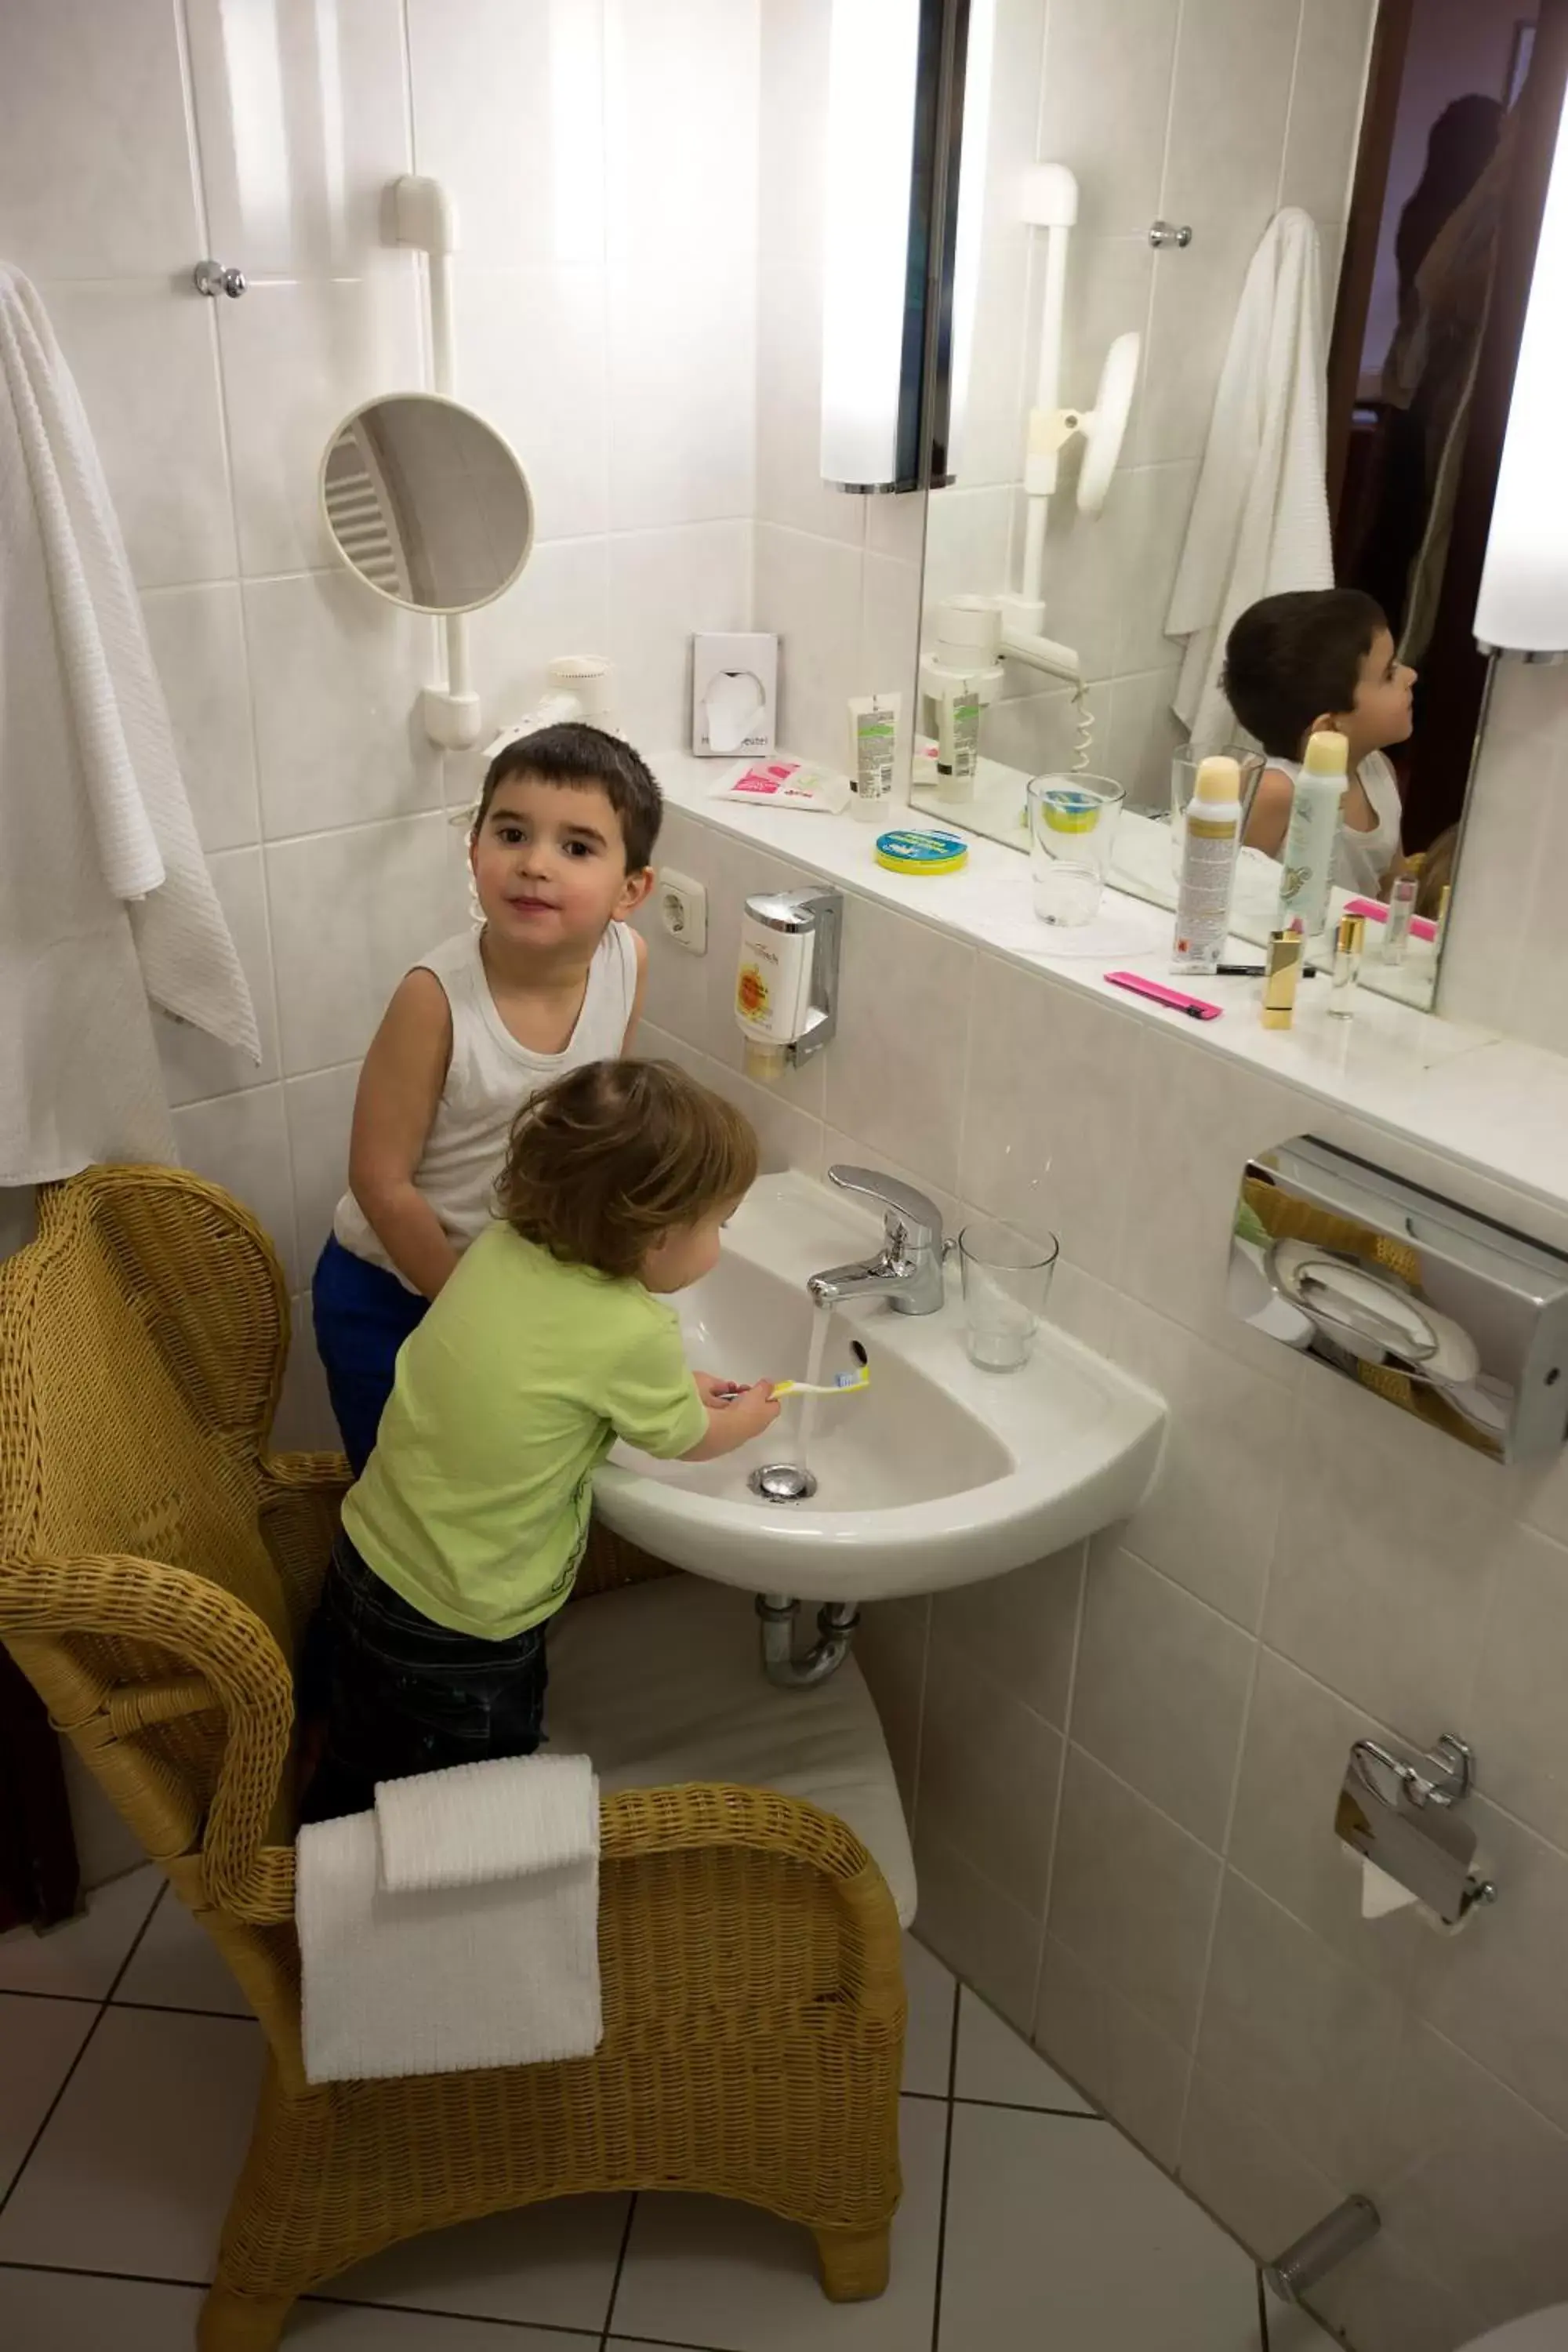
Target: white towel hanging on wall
1259	522
105	898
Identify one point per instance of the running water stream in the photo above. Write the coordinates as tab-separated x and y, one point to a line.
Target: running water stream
806	1422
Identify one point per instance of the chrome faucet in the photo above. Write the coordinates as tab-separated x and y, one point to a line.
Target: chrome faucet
908	1271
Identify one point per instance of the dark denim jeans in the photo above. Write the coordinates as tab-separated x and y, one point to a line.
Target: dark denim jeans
403	1694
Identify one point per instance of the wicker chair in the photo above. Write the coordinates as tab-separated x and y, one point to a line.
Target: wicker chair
157	1567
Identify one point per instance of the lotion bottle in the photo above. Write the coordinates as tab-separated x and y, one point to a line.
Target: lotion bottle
772	985
1315	830
1211	837
957	739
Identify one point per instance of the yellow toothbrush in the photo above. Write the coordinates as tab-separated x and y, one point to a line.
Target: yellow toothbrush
844	1385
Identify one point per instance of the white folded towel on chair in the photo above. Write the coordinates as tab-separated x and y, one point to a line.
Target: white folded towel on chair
456	1925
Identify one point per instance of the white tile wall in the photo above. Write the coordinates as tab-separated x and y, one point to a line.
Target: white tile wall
1122	1769
604	159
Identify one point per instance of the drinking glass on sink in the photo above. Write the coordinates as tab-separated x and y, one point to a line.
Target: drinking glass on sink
1006	1282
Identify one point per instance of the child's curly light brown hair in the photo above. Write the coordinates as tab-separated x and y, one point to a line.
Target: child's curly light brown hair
605	1160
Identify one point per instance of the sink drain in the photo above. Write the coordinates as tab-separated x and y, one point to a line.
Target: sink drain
783	1482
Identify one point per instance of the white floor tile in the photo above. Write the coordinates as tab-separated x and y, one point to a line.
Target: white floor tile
1290	2330
178	1966
551	2265
705	2272
1059	2232
995	2063
39	2039
930	1988
51	2311
83	1958
136	2170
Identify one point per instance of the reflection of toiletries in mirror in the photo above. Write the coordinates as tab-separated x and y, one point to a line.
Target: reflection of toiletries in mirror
1286	951
873	739
1211	838
1401	910
734	691
1314	829
1350	944
957	739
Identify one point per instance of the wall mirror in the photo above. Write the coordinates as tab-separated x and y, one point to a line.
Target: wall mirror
427	503
1095	535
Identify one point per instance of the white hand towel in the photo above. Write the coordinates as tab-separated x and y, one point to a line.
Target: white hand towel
481	1822
453	1972
98	847
1259	522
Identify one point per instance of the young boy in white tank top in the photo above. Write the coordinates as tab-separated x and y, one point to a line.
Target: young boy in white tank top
1316	658
562	850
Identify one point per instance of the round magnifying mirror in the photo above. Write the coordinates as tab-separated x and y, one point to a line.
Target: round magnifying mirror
426	502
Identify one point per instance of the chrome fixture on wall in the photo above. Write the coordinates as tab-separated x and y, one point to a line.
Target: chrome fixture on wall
216	278
1401	1813
1322	2248
907	1271
1452	1317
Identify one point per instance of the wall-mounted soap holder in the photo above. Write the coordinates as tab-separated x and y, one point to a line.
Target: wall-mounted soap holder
1401	1813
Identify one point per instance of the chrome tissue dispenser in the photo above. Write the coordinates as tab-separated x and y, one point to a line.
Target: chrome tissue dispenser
1402	1813
1457	1320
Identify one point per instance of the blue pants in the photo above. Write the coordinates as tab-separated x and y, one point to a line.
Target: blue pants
363	1316
405	1695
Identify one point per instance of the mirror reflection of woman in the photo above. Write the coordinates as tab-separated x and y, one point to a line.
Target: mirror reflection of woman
1309	660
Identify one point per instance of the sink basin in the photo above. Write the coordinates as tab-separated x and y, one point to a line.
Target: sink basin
936	1475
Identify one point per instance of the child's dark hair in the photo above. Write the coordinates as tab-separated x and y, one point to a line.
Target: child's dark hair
1291	657
608	1158
572	753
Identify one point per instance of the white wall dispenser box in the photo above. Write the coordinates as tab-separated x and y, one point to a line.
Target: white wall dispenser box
735	693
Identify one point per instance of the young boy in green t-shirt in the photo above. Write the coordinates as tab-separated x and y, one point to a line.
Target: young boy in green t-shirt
548	1342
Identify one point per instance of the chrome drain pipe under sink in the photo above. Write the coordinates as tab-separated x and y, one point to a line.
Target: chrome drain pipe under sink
836	1623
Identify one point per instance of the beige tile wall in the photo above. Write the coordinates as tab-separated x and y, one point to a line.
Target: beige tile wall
1123	1763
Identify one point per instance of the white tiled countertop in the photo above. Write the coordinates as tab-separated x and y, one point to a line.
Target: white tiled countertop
1491	1103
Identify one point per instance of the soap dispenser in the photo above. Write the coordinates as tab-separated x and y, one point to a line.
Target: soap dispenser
786	980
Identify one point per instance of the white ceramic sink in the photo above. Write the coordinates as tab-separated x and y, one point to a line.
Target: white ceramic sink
937	1475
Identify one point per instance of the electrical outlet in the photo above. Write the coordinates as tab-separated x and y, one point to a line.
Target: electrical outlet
683	911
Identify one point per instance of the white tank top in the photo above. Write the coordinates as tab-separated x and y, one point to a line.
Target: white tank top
488	1078
1362	859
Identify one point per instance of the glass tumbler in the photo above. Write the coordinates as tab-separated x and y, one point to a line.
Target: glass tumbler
1072	825
1006	1282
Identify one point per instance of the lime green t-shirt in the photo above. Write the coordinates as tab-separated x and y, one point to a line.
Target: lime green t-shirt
474	1506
